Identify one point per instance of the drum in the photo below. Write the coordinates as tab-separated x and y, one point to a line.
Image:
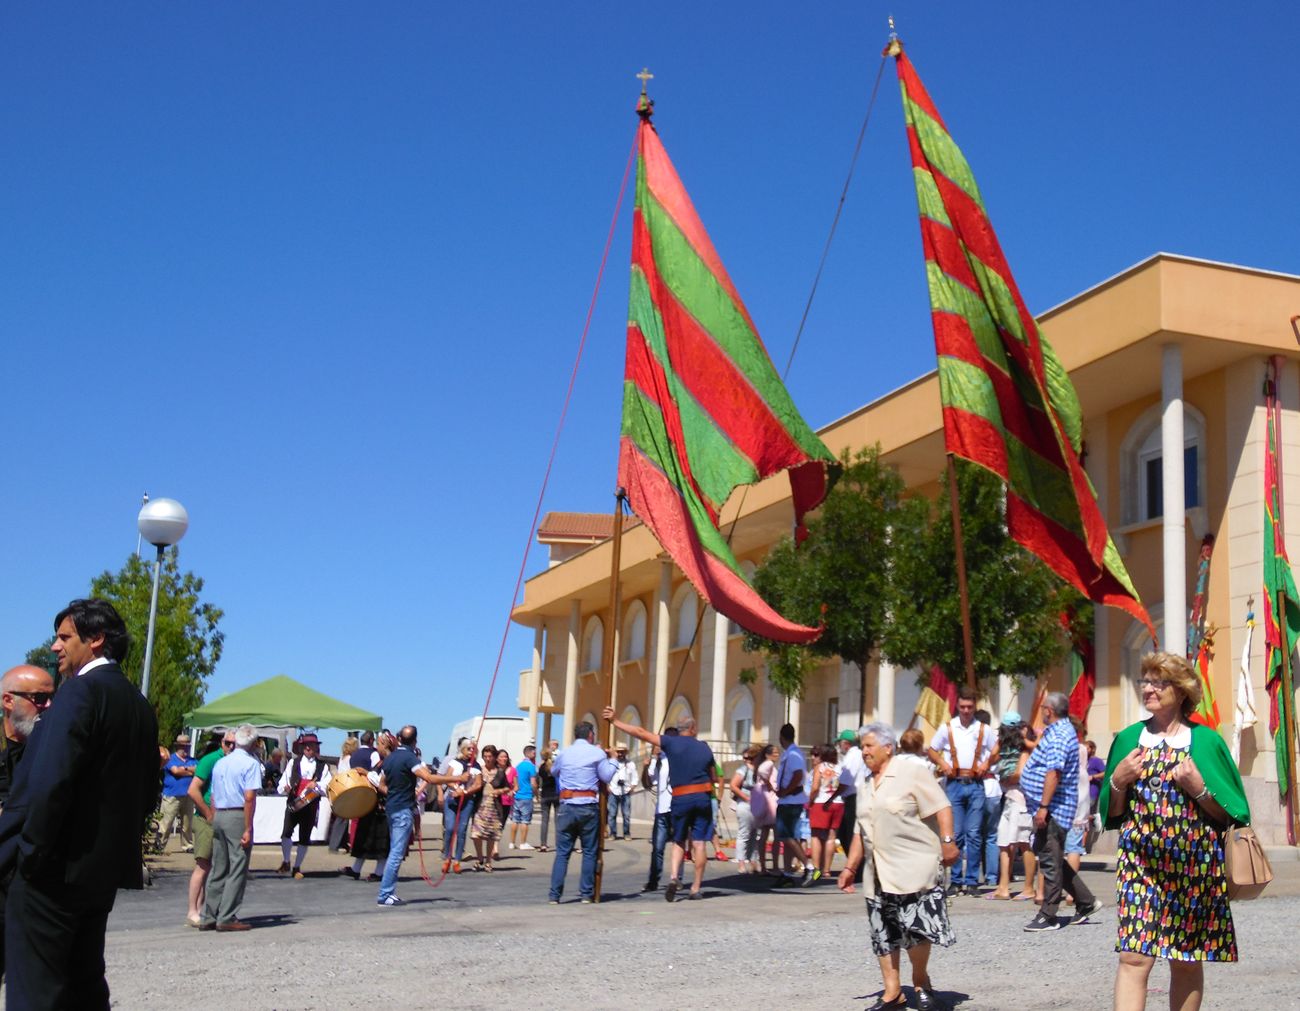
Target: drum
351	795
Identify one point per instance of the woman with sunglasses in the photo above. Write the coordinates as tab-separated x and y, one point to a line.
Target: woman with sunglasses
1171	787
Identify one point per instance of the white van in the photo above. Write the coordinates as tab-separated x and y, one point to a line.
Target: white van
509	732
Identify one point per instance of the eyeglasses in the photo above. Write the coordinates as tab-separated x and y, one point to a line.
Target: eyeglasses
1154	685
227	744
36	698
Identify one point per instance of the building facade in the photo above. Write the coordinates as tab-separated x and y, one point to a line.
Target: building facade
1169	361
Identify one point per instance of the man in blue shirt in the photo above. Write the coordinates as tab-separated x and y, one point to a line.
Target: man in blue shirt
1050	783
176	803
695	778
579	770
521	811
236	778
397	781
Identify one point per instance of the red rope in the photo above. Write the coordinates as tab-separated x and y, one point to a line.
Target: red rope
541	496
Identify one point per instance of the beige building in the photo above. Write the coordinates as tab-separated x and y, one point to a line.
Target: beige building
1171	353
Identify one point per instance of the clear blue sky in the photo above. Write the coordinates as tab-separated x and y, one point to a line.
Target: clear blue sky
319	270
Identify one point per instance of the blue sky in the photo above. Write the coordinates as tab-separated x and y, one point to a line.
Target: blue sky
319	270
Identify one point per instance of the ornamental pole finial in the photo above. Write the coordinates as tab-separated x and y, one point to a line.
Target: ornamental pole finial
645	106
895	46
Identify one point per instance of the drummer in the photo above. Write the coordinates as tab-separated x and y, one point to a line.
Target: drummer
304	782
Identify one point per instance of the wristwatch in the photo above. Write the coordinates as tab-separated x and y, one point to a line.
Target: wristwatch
947	839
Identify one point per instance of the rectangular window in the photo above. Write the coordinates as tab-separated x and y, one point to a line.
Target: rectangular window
743	732
832	718
1155	489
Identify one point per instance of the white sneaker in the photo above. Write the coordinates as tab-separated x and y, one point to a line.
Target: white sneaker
527	846
511	846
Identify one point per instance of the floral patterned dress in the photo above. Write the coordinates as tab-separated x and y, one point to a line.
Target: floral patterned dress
1171	889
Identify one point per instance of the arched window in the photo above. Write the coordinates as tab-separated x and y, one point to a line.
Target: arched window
634	629
630	715
740	716
593	643
1142	459
679	710
748	568
685	616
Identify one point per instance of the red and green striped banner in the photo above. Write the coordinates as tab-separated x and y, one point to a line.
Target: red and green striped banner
1008	404
1281	603
704	410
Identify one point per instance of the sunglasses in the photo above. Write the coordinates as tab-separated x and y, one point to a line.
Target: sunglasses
227	744
1155	685
35	698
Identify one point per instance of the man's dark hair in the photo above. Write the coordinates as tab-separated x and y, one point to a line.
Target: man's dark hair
584	731
965	694
93	618
984	716
407	735
670	732
368	738
787	732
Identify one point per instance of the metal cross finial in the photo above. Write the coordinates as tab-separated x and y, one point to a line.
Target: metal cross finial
645	77
892	34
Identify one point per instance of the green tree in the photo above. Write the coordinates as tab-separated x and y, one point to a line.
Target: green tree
45	658
839	576
1016	602
187	642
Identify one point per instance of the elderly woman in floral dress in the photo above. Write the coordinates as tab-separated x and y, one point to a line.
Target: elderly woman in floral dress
907	821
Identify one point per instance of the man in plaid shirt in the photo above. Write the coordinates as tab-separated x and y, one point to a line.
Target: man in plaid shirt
1050	783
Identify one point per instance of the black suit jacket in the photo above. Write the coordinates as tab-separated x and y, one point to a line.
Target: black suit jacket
86	784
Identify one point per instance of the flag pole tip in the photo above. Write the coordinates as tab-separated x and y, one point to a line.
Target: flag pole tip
895	47
645	105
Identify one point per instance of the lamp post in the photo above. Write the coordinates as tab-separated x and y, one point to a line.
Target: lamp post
162	522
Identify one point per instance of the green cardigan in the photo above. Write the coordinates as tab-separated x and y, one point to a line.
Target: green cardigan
1213	760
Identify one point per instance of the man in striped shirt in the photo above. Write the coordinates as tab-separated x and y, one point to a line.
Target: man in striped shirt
1050	783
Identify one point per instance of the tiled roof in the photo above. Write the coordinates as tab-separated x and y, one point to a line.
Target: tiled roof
580	526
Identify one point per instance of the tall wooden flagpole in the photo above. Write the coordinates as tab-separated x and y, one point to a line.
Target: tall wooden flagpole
608	665
966	640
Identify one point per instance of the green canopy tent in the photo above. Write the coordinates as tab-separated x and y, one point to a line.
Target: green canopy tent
281	701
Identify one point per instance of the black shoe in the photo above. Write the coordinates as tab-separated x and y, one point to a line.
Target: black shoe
1042	922
882	1004
925	998
1081	913
670	893
650	886
956	889
354	875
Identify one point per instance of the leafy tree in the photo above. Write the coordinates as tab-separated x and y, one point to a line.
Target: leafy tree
1015	600
187	642
839	576
45	658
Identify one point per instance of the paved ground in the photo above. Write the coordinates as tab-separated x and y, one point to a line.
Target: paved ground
491	941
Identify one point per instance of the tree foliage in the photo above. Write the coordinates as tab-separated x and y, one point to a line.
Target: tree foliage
1015	600
187	642
839	576
44	658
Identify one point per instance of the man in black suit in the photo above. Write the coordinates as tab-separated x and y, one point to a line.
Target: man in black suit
72	828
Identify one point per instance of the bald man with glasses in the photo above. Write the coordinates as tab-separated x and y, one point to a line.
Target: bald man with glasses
27	692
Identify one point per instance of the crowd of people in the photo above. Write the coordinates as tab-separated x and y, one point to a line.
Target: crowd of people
919	823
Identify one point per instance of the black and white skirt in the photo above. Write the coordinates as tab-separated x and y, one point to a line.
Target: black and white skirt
903	921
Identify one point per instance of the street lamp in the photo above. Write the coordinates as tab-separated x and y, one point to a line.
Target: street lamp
162	522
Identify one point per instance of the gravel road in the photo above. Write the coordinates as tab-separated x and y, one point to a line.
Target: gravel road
491	941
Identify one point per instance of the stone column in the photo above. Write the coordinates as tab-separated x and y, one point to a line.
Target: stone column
535	686
1006	694
717	709
663	622
885	675
1174	498
571	670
